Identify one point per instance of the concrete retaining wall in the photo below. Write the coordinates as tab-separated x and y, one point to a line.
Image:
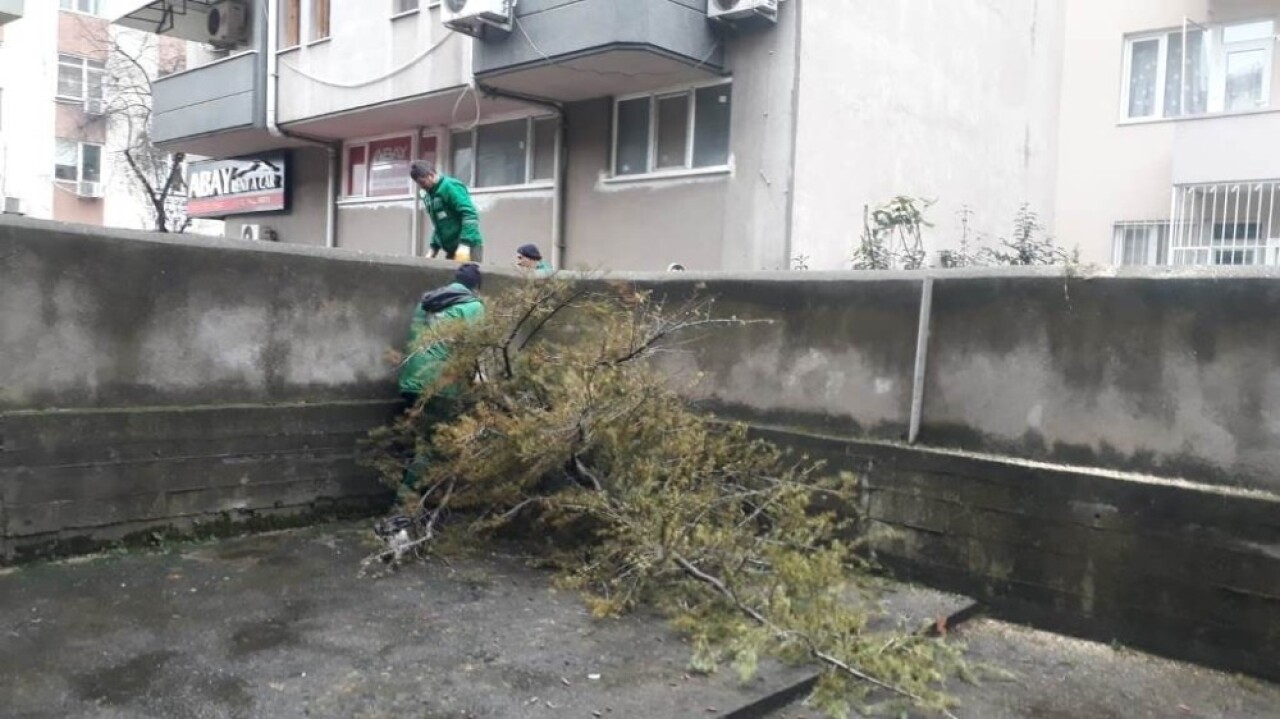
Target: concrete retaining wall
148	381
1160	372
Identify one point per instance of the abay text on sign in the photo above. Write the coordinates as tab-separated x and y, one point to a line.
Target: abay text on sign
217	188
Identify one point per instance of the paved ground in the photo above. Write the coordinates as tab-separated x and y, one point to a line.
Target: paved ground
279	626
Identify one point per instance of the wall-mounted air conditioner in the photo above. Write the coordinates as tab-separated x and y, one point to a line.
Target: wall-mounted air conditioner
96	108
89	190
736	10
12	206
258	232
228	23
473	17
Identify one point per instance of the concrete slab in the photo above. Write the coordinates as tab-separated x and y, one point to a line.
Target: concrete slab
279	625
1036	675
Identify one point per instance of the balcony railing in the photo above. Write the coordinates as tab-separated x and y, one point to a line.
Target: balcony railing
1234	223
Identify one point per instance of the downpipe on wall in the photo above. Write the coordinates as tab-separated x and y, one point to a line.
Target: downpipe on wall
334	149
922	360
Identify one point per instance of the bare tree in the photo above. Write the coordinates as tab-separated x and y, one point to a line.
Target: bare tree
134	61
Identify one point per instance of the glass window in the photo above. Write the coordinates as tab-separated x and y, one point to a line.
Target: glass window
84	6
429	149
290	23
1195	70
632	154
404	6
357	171
389	167
502	152
91	163
712	106
1246	72
70	77
544	149
319	19
1247	32
673	132
66	160
462	160
1144	66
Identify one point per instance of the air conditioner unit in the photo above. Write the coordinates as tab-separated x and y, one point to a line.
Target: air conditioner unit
474	16
258	232
96	108
12	206
732	10
89	190
228	23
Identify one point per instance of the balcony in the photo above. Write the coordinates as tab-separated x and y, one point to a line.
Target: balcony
213	109
10	10
570	50
1227	148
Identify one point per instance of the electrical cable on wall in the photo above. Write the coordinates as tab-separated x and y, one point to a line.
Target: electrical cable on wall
372	81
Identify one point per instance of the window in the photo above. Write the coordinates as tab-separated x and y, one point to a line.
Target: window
379	168
319	20
673	131
77	161
1141	243
90	7
1204	70
290	23
80	78
505	154
403	6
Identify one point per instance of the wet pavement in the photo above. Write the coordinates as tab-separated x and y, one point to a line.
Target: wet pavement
279	625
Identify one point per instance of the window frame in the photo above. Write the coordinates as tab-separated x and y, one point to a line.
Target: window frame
1217	50
366	142
80	145
85	72
95	12
289	28
530	154
314	14
690	91
1159	242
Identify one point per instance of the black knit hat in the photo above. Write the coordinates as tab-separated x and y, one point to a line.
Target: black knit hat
468	276
530	251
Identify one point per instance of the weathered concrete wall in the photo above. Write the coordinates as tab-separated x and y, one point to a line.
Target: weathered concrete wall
148	381
1160	372
1185	570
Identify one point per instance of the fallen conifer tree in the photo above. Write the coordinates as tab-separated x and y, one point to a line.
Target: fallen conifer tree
567	435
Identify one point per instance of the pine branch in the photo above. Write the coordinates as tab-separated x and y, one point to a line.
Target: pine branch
786	634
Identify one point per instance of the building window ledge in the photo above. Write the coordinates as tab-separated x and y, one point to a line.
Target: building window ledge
665	175
319	41
405	14
508	189
389	200
287	50
1193	118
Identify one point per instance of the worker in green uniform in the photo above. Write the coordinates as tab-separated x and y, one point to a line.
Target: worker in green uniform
529	258
426	360
453	214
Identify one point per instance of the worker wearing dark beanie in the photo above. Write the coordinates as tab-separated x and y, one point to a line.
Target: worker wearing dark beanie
529	257
469	276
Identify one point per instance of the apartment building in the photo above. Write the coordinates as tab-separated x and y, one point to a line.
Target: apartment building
60	133
717	134
1170	132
